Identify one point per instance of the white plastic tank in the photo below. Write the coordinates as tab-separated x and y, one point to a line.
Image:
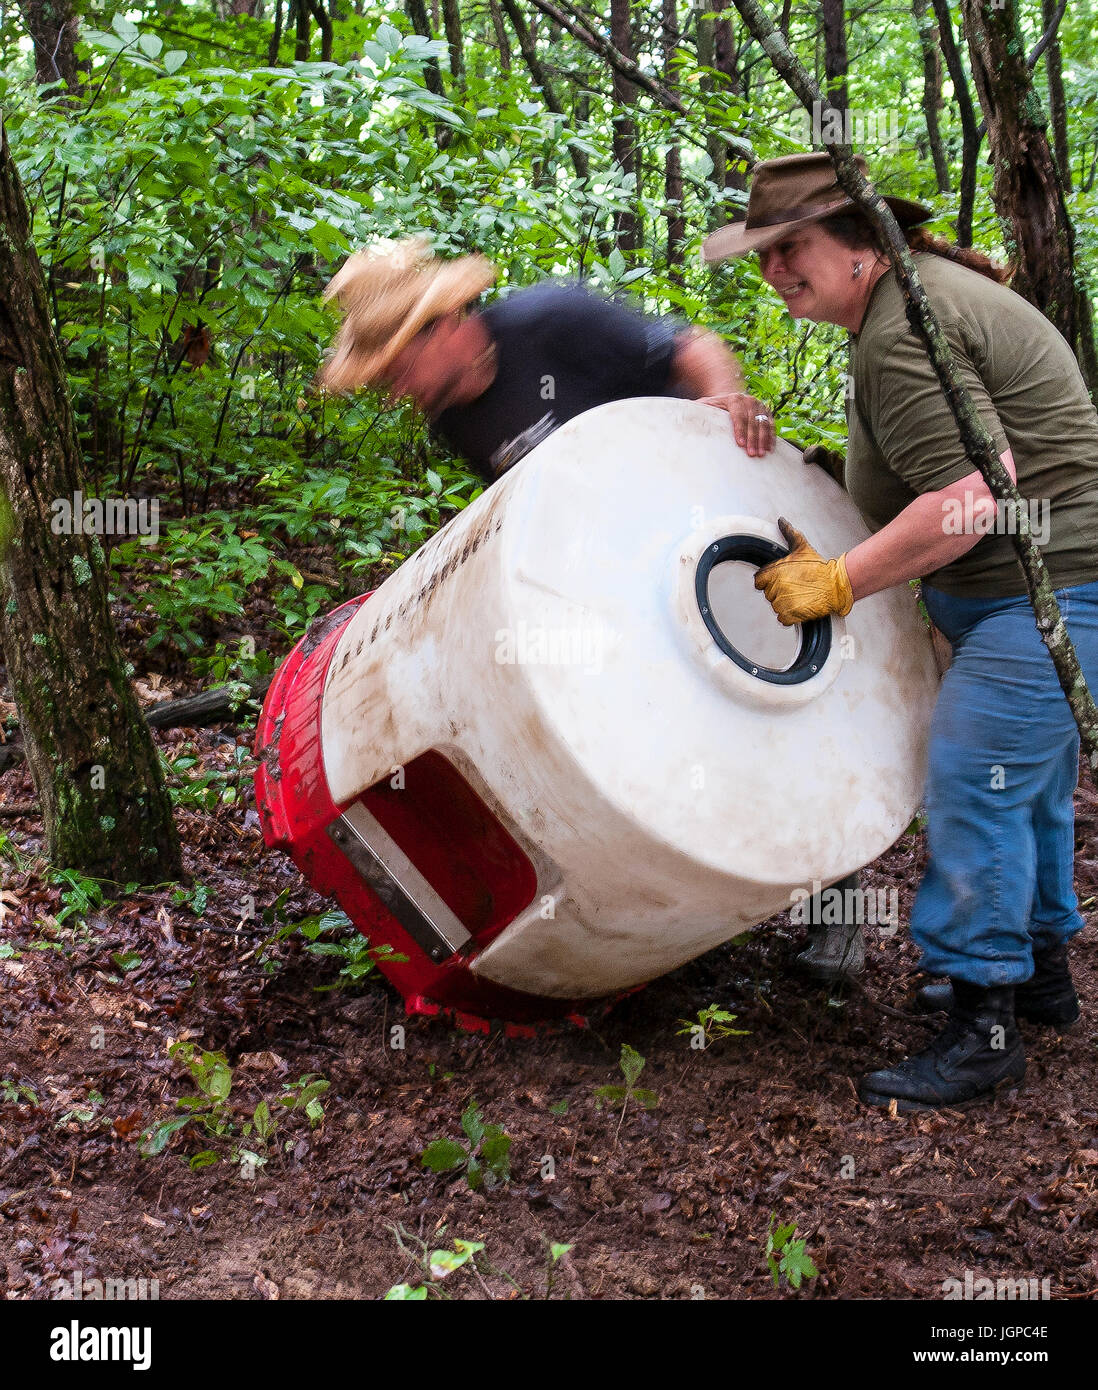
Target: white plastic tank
585	646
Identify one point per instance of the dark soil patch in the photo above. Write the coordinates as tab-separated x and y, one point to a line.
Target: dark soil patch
674	1203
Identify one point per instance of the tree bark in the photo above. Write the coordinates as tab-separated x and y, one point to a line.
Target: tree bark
630	233
674	214
324	24
930	42
416	11
299	9
500	31
95	768
451	16
970	133
53	26
1027	191
979	446
836	63
1057	102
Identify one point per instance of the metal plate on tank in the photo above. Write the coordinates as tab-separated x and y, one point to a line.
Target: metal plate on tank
399	885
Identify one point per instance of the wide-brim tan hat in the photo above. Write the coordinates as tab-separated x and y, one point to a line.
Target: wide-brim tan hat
388	293
790	192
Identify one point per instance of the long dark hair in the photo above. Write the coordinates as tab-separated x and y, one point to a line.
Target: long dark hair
854	230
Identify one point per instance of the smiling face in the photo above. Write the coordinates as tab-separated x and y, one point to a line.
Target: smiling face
814	274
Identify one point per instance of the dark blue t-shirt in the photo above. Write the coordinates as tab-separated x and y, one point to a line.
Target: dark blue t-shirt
561	350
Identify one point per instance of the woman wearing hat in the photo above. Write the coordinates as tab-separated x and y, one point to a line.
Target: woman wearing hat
996	907
494	382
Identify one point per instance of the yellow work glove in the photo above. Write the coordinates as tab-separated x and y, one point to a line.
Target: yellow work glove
803	585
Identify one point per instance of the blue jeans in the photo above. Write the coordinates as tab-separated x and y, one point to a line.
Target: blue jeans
1003	764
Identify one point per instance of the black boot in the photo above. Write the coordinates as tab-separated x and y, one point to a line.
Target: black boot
977	1052
1048	996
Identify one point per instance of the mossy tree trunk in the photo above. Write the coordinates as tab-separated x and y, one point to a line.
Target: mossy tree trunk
104	804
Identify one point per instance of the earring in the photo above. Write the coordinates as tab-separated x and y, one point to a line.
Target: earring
856	271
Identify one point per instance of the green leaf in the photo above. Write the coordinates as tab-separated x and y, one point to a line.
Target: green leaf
174	60
444	1262
206	1159
126	30
616	263
434	480
472	1123
649	1099
406	1294
389	38
150	45
155	1141
494	1150
612	1095
126	960
443	1155
556	1251
632	1064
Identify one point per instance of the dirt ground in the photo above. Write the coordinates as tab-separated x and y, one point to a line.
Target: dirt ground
672	1203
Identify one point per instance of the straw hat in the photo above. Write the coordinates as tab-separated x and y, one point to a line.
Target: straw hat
387	294
789	192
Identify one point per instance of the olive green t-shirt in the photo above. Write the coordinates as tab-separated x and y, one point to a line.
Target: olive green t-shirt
1026	385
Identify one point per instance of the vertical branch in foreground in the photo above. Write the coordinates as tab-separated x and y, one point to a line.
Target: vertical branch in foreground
977	442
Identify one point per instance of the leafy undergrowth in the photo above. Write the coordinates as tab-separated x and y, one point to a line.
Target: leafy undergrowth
305	1110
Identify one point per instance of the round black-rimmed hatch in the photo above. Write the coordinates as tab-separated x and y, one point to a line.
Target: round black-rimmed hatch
814	643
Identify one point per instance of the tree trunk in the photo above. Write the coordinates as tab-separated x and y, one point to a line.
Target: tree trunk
53	26
324	24
1027	191
301	31
672	169
451	15
970	132
624	138
836	63
500	31
930	42
95	768
421	24
706	46
1057	102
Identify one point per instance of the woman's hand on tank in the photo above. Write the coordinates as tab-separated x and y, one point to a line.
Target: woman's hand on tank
752	423
803	585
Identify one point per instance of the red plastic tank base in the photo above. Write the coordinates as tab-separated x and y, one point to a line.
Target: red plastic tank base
453	852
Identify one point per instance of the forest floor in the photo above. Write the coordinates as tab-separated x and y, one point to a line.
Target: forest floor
671	1203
